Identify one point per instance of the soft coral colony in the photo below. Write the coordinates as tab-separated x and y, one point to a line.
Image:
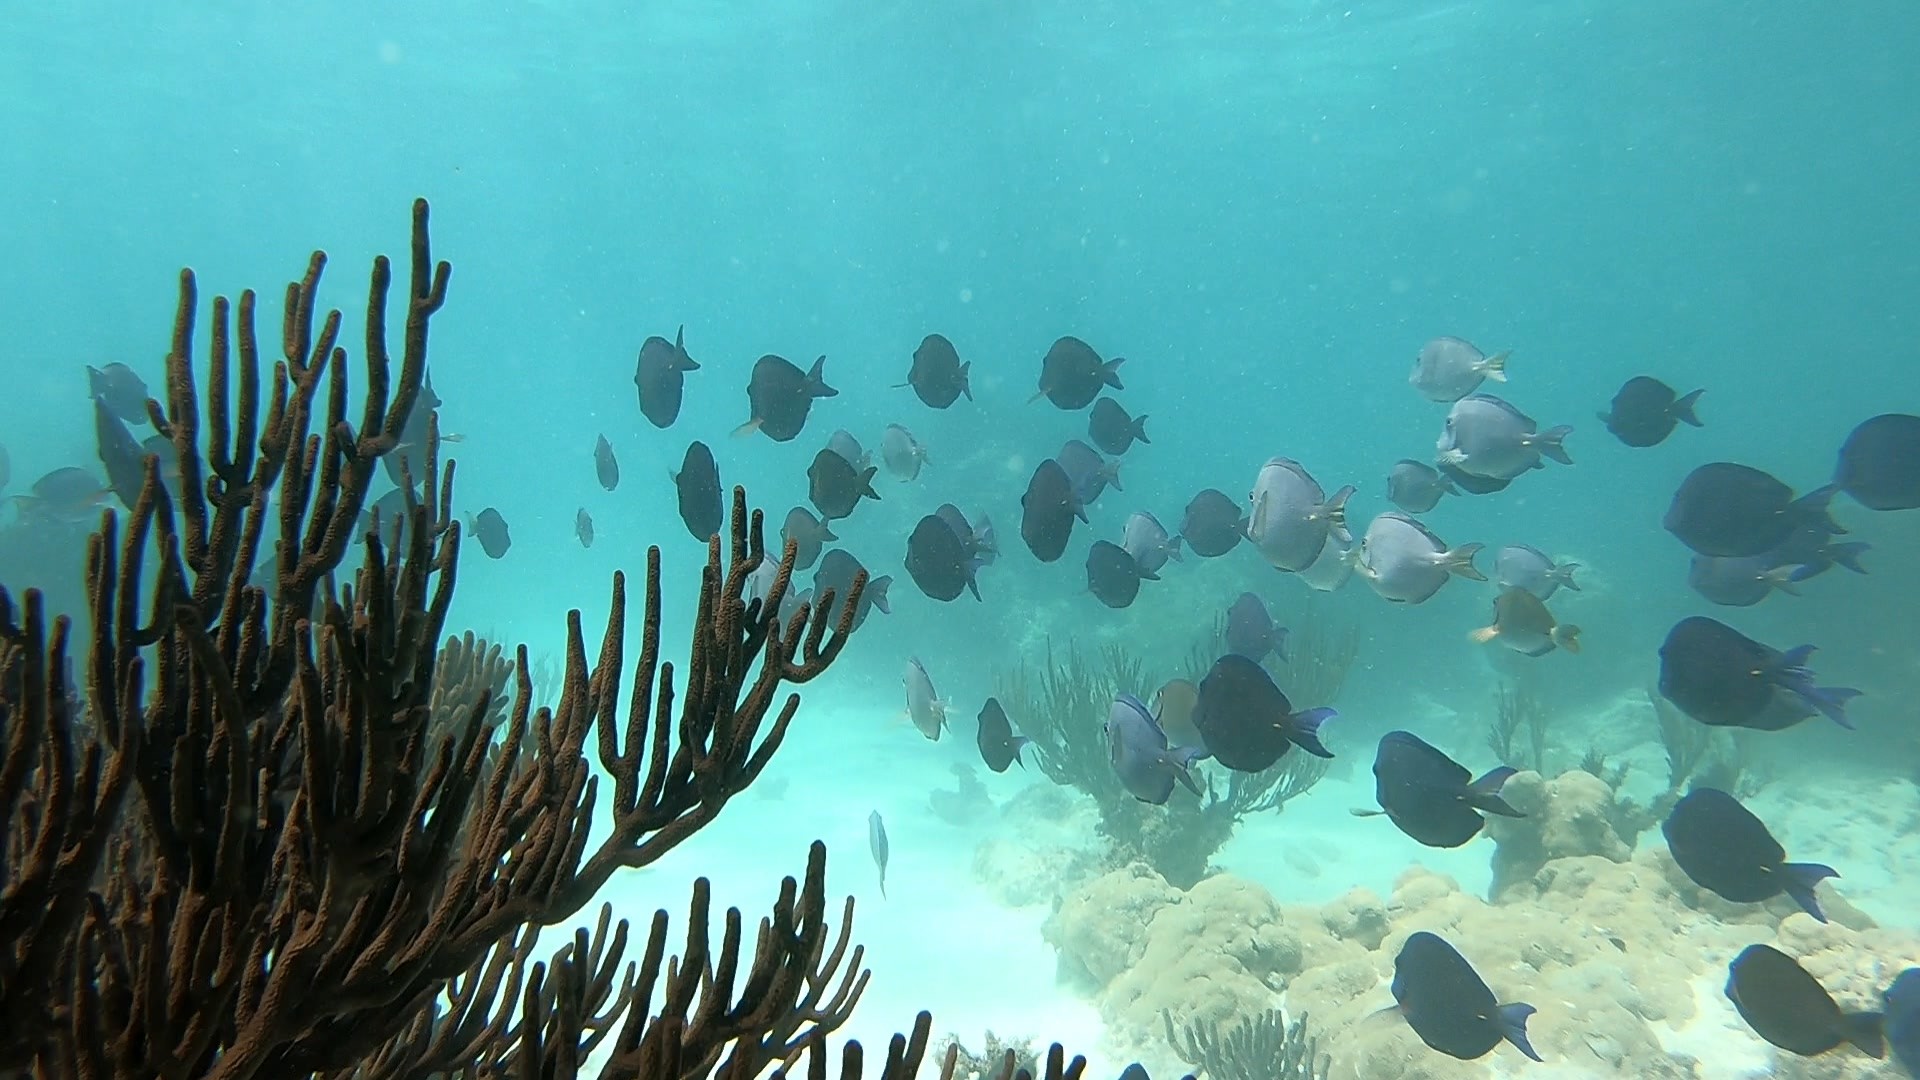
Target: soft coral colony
272	830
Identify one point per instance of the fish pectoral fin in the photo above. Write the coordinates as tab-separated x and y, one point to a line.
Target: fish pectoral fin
1484	634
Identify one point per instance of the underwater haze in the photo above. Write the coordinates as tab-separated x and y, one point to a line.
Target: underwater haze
1279	215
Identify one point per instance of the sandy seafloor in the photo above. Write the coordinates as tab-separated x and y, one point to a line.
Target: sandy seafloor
942	940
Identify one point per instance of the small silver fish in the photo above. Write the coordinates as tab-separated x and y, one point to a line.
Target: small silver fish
1090	473
1416	487
901	453
924	707
1334	567
1406	563
1485	436
1147	541
1526	567
1292	517
1138	749
808	533
877	843
1449	368
844	444
1742	580
583	527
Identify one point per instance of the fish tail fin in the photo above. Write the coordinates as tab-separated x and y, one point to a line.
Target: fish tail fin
1459	561
1817	503
1280	644
817	379
1495	367
1866	1031
1800	880
1848	554
1335	512
747	428
1484	793
1110	372
1683	408
1831	701
1173	549
877	590
1111	470
866	483
687	363
1079	507
1786	578
1140	430
826	530
1513	1027
1548	443
1484	634
1037	395
1303	730
1180	759
966	384
1564	575
1567	636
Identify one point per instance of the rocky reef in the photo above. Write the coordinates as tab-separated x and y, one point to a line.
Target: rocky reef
1622	955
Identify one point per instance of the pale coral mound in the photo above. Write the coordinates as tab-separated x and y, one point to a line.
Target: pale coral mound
1620	953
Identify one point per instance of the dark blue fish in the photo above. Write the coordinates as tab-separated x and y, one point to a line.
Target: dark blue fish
1645	411
1726	850
1723	678
1449	1006
1902	1023
1430	796
1789	1008
999	746
1252	633
1880	463
1248	722
1724	508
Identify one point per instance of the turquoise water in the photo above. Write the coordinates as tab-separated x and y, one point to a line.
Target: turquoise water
1266	208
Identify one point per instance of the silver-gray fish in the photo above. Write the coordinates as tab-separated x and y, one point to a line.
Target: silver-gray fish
1251	631
901	453
1147	541
1521	622
760	586
1141	758
924	707
1416	487
1486	436
843	443
583	527
1090	473
605	468
1742	580
1333	567
836	573
1292	517
65	494
1406	563
123	391
808	533
1449	368
877	843
1526	567
976	537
